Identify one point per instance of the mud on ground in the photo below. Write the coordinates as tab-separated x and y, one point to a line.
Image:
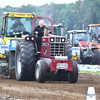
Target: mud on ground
50	90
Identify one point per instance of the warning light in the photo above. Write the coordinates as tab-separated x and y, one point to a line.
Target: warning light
66	29
87	28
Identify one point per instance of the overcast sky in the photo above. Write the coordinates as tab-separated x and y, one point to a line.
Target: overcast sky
18	3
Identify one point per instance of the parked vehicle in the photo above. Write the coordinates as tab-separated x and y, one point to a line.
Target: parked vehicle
94	32
81	46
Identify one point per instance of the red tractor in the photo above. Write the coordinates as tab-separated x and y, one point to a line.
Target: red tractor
56	56
80	41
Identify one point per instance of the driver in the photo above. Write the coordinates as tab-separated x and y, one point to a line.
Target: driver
38	33
39	30
16	24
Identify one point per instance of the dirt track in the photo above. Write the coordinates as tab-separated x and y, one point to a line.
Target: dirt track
50	90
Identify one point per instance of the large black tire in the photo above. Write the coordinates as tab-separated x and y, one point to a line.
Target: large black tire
86	60
73	76
25	60
96	58
41	71
68	50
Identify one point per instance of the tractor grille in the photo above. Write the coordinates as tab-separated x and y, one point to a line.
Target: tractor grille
56	49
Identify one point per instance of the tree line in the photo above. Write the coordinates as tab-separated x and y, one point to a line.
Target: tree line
71	13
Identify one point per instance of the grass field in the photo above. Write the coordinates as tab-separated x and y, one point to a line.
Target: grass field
89	72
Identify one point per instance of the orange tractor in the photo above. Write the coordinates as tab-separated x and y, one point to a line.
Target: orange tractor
94	32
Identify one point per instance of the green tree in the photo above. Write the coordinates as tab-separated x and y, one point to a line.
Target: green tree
91	10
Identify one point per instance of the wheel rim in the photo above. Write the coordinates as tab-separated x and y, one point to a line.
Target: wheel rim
37	71
18	63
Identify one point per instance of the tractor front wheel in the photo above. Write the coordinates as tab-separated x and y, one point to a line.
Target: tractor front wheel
41	71
73	76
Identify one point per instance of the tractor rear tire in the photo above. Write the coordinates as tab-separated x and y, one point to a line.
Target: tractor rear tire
25	60
73	76
41	71
96	58
68	51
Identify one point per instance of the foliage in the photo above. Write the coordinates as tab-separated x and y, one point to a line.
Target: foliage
71	13
90	72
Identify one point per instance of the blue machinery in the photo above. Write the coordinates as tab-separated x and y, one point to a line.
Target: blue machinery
9	49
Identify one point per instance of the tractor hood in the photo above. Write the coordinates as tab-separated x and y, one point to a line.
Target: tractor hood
84	45
50	35
54	39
